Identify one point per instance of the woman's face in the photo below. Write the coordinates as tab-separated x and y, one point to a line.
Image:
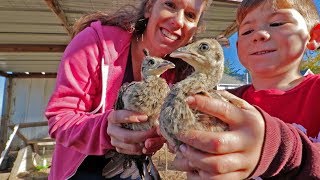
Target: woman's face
172	23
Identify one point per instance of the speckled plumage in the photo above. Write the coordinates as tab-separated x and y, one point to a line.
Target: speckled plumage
145	97
206	56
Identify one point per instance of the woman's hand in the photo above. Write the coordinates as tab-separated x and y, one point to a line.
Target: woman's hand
232	154
153	144
132	142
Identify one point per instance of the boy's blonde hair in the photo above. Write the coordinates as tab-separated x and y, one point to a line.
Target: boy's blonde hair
305	7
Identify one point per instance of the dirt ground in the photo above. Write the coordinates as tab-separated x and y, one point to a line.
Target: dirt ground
167	172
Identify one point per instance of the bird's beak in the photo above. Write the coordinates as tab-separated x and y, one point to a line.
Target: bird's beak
166	65
182	53
186	55
163	67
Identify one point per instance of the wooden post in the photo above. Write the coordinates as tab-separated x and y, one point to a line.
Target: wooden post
5	114
8	144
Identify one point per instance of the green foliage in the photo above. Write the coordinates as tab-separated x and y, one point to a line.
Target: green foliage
41	167
312	63
230	69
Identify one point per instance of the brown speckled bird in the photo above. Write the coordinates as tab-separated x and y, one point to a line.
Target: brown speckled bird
145	97
206	57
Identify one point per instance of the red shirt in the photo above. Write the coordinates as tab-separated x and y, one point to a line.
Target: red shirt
288	153
300	105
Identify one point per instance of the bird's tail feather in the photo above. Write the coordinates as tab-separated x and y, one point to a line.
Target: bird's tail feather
153	170
115	165
131	172
147	169
133	167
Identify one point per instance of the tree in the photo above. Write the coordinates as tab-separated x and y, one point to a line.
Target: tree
312	63
230	69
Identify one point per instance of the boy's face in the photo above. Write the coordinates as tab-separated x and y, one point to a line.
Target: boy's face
270	41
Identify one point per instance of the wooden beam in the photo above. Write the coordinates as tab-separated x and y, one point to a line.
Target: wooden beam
31	48
56	8
4	75
31	75
5	114
22	137
5	152
231	29
30	124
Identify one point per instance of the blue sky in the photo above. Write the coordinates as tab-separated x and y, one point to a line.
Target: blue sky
231	52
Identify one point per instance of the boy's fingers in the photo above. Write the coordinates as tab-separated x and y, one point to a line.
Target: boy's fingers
225	111
124	116
216	164
235	100
181	163
214	142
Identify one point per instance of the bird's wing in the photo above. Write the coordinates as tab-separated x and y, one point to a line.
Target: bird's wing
115	166
131	171
173	111
119	102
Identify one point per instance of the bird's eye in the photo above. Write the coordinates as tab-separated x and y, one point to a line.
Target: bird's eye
204	47
151	62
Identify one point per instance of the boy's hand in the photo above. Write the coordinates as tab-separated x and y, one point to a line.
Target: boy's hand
132	142
232	154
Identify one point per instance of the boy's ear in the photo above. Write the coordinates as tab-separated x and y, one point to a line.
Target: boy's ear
314	42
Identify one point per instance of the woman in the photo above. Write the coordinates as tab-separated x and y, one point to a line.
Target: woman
105	52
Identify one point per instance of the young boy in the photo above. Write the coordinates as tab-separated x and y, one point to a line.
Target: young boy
278	134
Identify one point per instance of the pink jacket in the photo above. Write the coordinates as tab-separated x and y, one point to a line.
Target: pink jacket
76	111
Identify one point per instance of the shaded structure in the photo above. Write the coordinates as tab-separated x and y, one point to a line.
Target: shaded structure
33	36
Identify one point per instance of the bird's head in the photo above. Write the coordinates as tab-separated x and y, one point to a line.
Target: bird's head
154	66
204	55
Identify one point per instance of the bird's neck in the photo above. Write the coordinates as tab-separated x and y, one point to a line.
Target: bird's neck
154	79
193	84
209	80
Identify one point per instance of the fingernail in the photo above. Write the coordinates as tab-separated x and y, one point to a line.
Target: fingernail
147	144
190	99
144	150
142	117
183	148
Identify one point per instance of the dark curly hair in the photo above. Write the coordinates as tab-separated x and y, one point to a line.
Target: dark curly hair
131	19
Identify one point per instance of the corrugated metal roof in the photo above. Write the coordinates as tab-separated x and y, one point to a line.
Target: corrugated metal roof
34	33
